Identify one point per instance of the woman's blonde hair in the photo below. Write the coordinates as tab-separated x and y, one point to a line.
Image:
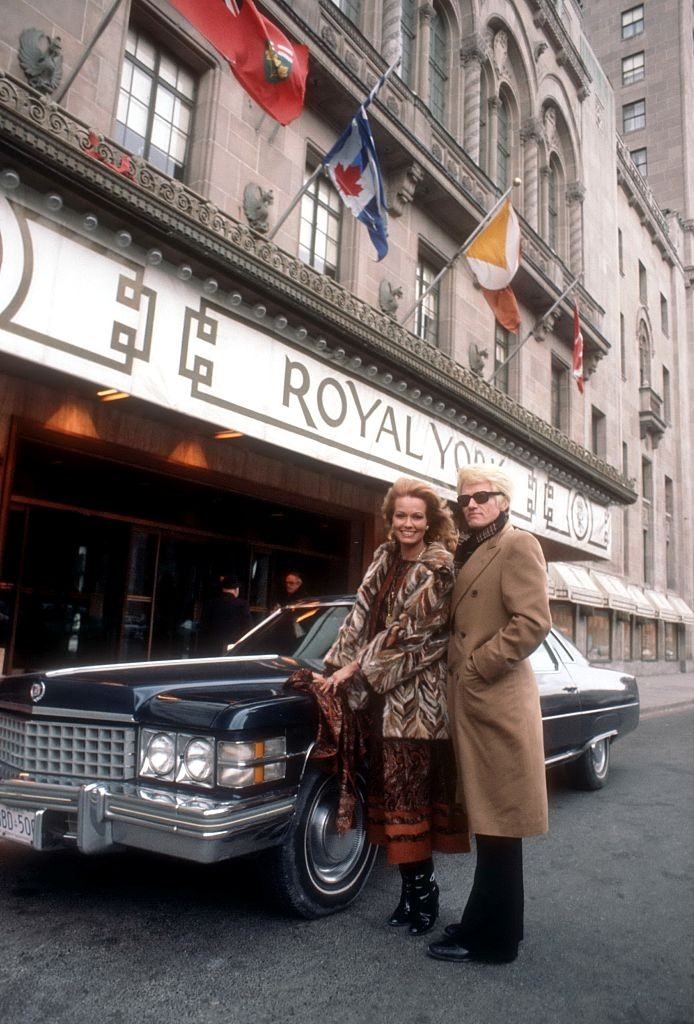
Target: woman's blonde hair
482	473
439	519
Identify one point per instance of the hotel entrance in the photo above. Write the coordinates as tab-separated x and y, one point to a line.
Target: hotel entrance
108	561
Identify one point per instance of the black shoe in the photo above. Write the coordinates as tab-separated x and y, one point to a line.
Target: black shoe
425	903
402	914
450	948
453	930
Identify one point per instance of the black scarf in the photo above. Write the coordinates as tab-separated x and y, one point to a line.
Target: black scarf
468	546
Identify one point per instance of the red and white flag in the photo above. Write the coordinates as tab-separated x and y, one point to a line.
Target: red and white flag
578	351
270	68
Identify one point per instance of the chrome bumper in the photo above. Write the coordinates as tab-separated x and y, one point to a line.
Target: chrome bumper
102	816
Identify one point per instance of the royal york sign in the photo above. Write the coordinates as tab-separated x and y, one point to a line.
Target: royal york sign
71	302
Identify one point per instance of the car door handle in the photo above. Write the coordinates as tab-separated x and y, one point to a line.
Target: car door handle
570	689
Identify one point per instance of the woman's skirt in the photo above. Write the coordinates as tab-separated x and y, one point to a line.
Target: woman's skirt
411	799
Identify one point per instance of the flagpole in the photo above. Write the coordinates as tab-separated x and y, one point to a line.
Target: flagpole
309	181
101	27
532	330
468	241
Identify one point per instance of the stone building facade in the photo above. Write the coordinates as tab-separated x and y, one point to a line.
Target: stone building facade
180	395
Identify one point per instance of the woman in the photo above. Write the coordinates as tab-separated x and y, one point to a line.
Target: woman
500	614
390	657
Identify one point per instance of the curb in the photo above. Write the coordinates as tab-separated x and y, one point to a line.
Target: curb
665	709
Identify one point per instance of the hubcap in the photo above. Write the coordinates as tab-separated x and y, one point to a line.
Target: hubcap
332	857
598	755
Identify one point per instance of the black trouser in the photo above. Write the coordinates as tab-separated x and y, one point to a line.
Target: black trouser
492	921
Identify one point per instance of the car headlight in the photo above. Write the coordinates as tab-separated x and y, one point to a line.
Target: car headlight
198	759
248	764
158	754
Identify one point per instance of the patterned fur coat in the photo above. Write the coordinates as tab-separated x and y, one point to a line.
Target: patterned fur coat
406	662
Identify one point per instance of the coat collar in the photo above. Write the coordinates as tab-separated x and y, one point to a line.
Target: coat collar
476	564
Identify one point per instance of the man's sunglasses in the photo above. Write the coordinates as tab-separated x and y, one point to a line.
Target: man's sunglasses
481	498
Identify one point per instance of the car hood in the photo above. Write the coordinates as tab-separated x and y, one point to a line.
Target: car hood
211	693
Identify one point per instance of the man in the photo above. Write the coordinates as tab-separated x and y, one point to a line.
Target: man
500	614
225	618
293	588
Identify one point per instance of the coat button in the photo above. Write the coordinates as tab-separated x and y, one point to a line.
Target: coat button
473	593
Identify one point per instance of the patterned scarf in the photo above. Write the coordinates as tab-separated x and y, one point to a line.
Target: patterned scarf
467	547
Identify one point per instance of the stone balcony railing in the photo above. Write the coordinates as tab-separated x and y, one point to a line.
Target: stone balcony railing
651	414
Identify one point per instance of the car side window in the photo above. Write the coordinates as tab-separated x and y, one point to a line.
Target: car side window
543	660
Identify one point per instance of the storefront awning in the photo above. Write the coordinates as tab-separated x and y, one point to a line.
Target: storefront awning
574	583
644	607
615	591
665	609
684	611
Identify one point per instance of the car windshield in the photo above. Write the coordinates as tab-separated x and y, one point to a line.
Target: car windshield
305	633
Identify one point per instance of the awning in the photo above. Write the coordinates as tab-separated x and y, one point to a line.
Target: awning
662	603
615	591
644	607
574	583
682	608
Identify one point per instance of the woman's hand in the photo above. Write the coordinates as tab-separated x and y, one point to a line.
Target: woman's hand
337	679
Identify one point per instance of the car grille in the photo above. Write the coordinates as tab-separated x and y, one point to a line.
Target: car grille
66	748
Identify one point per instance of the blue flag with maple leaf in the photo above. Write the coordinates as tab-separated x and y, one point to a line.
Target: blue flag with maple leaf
355	172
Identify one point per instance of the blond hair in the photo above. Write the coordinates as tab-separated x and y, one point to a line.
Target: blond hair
481	474
439	519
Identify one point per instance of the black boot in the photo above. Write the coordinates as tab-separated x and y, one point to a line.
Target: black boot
403	912
425	899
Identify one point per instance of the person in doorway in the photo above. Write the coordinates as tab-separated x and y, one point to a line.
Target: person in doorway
225	618
390	658
500	613
292	589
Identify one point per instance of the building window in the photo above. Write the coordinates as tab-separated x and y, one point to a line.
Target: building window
670	564
438	63
352	8
640	158
427	325
667	397
503	148
643	284
664	318
560	395
552	207
648	639
620	251
319	233
408	33
633	68
598	433
634	116
646	480
644	360
564	619
671	644
598	635
622	347
155	106
501	351
632	22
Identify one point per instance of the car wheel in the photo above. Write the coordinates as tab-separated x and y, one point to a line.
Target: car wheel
591	769
316	871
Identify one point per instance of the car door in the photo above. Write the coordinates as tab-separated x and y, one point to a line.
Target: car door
559	698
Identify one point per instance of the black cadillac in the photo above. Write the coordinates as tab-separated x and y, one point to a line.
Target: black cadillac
209	759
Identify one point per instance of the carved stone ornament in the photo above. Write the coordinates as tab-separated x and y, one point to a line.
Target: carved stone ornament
328	36
477	358
41	59
590	363
575	192
388	297
539	49
546	325
549	120
473	48
532	130
402	189
500	51
256	203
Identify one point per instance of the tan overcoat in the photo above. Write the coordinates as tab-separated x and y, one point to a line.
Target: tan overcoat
500	613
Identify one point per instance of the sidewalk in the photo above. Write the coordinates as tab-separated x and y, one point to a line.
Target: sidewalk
666	693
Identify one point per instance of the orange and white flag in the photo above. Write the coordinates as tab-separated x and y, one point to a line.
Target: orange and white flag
494	257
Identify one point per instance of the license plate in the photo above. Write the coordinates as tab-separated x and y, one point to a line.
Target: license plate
17	825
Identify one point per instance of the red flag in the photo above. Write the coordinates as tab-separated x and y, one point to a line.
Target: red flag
578	351
270	68
504	307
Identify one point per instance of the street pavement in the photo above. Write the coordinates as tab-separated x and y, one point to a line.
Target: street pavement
609	925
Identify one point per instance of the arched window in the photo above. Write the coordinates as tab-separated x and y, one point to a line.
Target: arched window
503	145
438	64
408	31
644	358
553	207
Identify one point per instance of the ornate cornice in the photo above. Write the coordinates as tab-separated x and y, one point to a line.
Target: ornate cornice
546	18
641	198
62	147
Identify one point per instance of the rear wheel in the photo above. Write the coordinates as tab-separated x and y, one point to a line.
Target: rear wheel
591	769
317	871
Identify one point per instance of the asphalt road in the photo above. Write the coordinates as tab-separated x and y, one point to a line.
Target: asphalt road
609	927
